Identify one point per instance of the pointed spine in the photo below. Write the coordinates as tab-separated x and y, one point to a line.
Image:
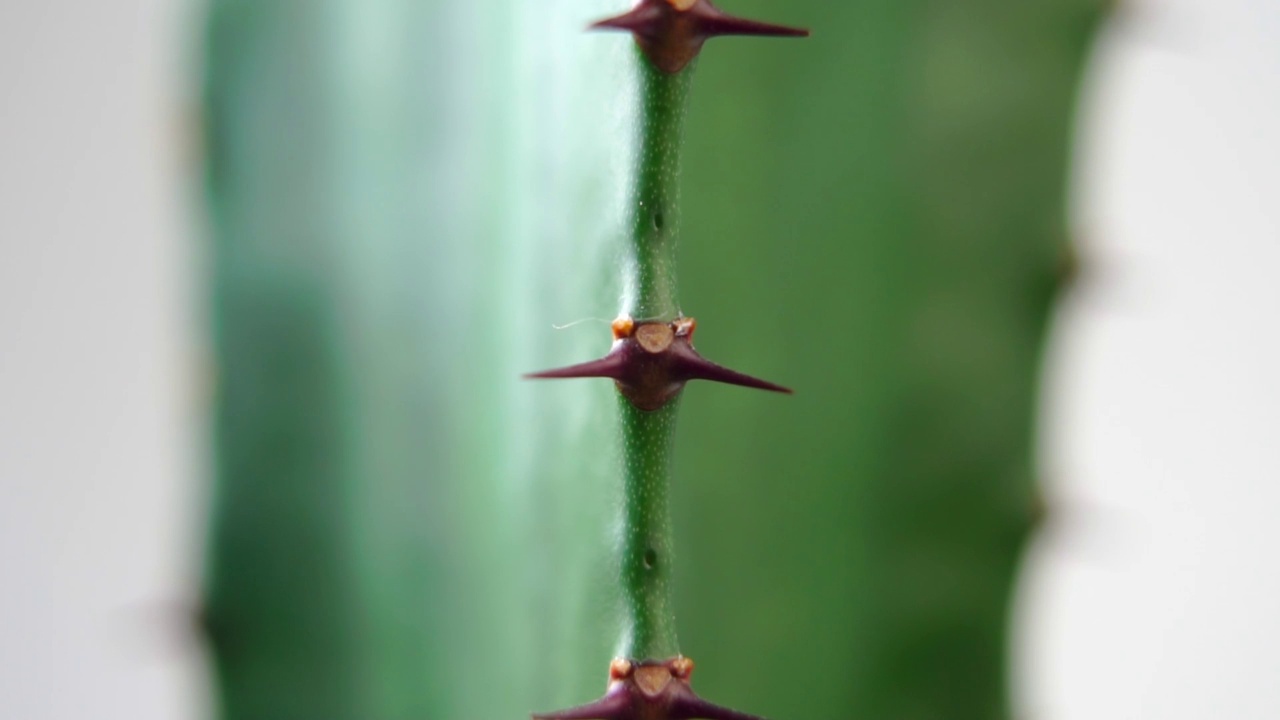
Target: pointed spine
612	705
609	366
712	23
671	32
695	708
696	367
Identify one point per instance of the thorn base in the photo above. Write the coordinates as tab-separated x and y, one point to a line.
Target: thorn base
671	32
649	690
652	361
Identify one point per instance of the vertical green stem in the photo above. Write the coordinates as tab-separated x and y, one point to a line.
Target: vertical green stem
649	628
650	279
647	547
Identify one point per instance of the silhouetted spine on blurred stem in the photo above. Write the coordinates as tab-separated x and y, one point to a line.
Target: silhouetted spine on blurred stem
651	360
671	32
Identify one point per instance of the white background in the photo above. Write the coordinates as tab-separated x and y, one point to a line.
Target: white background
1154	593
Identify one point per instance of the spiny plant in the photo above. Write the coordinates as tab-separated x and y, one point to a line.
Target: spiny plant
651	360
405	194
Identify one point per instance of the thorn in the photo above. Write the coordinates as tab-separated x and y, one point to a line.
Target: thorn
699	368
695	708
609	366
671	32
613	705
716	23
652	361
649	690
643	18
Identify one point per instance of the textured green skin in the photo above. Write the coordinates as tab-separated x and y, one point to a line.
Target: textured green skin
649	274
649	279
647	549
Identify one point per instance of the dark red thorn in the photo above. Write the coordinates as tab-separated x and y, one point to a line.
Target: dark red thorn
610	366
652	361
695	367
695	708
713	23
671	32
642	18
613	705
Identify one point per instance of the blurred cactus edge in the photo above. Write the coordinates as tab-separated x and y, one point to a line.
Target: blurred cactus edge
414	202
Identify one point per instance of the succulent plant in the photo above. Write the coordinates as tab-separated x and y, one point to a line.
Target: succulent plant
404	196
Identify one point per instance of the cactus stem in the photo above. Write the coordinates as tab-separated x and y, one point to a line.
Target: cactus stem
652	361
671	32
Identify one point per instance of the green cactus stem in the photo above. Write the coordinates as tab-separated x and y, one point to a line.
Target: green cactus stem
651	360
647	550
650	276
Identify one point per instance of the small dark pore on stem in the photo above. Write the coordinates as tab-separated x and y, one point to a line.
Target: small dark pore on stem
650	559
